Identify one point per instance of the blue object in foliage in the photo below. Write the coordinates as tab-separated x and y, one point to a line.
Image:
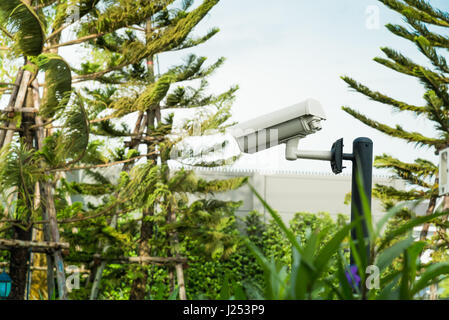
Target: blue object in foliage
5	285
353	276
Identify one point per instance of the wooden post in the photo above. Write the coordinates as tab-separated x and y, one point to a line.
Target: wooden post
178	266
99	272
12	100
18	104
46	192
19	255
36	246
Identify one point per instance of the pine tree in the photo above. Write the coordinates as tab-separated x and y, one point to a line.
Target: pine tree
421	175
63	130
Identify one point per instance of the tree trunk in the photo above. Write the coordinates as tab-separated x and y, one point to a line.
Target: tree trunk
18	265
138	288
97	271
425	228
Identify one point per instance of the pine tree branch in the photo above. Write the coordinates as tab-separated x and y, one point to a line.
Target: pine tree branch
379	97
389	192
436	105
109	164
436	40
72	42
102	119
99	74
404	171
426	49
398	132
9	35
414	13
104	212
421	167
424	6
406	66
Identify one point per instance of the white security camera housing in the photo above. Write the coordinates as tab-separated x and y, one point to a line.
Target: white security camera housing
291	123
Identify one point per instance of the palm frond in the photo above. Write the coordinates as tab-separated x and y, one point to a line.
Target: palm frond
59	80
21	21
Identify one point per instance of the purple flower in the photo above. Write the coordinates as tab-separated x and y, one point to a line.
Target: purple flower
352	276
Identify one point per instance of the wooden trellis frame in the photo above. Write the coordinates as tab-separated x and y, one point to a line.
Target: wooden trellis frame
35	246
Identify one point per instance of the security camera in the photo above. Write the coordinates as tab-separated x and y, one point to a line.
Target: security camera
291	123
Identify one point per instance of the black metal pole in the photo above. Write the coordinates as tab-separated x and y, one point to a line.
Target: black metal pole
362	171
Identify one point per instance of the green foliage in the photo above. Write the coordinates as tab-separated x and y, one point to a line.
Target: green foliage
19	170
310	260
208	276
21	22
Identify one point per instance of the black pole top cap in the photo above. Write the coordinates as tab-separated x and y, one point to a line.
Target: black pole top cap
363	140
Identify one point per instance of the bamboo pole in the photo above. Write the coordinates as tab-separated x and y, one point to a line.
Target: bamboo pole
18	104
143	259
12	100
40	135
99	272
46	192
178	266
37	268
36	246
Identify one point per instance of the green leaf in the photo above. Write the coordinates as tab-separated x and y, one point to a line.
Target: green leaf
346	292
404	289
174	294
388	255
430	276
413	256
331	248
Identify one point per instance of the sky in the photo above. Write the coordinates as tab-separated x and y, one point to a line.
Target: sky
283	52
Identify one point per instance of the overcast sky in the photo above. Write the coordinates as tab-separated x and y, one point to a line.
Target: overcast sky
282	52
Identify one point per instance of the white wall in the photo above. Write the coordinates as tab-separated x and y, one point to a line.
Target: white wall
290	192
